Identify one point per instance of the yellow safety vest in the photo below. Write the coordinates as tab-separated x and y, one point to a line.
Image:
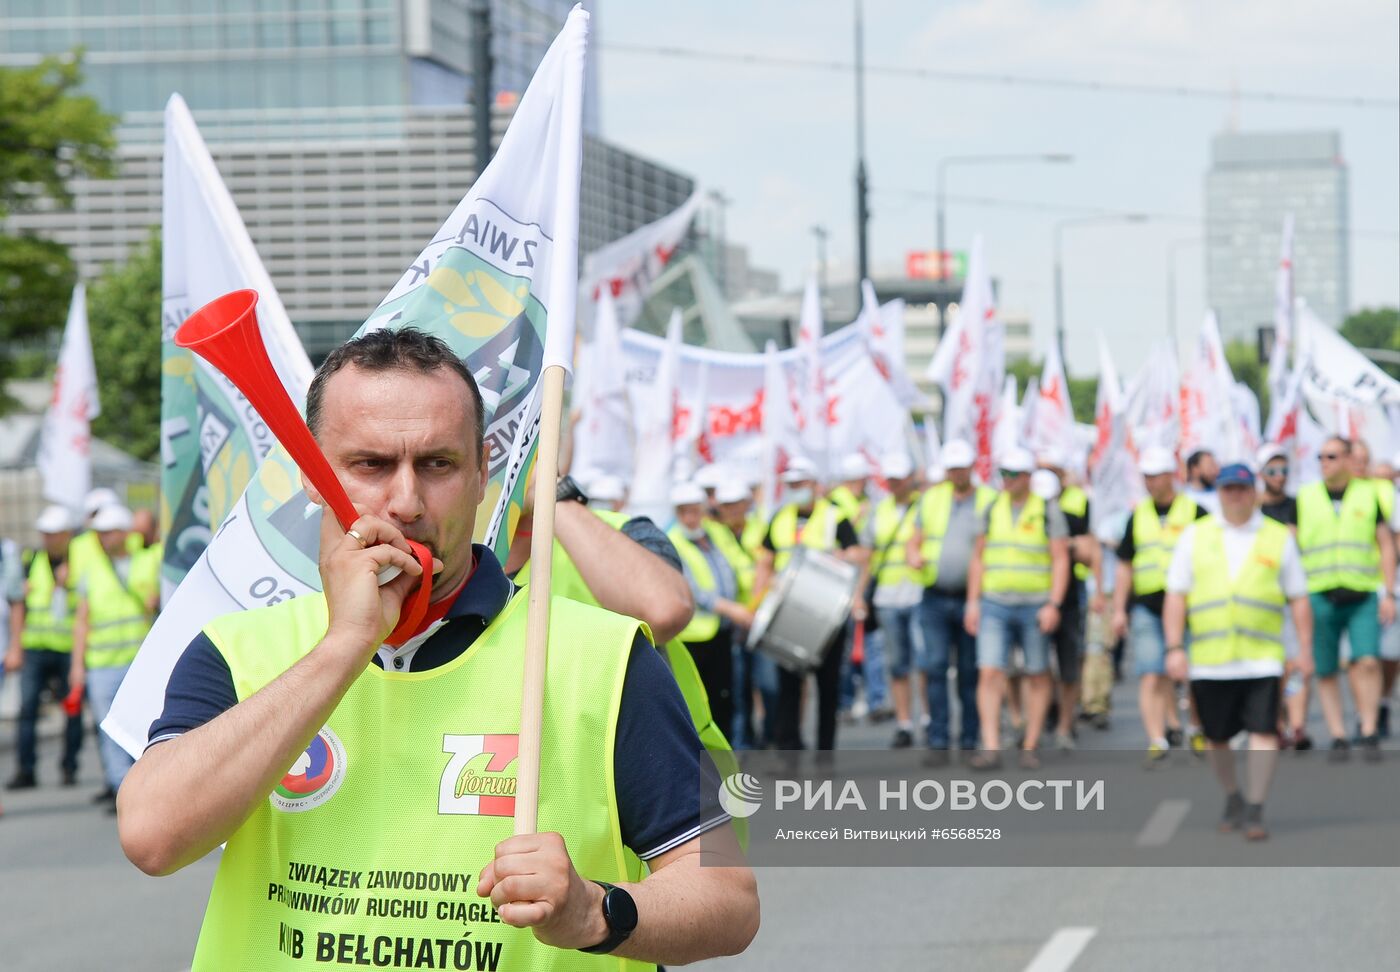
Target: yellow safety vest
1153	541
703	625
369	850
117	618
935	508
893	530
851	507
1016	556
755	529
1339	549
42	631
739	557
1074	502
1239	618
819	532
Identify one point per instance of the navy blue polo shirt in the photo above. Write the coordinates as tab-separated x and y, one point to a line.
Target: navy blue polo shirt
657	760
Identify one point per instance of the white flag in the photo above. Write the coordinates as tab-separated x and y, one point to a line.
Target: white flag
655	461
1207	413
1113	473
498	282
627	267
1027	412
65	438
1283	315
1153	408
781	437
1246	414
1053	428
1291	427
884	334
969	364
1008	420
812	397
1338	371
212	441
603	433
933	449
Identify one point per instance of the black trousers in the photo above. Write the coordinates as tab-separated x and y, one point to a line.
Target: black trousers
714	660
787	731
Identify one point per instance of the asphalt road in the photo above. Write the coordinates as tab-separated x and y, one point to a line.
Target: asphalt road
69	900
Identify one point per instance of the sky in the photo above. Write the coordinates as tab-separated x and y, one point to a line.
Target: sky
780	141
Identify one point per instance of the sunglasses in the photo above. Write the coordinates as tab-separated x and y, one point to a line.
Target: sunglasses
1275	470
1012	473
1329	456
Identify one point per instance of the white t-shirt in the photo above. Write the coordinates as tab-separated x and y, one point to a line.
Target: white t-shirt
1239	540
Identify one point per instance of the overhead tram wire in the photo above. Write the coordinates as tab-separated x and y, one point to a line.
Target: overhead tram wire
982	77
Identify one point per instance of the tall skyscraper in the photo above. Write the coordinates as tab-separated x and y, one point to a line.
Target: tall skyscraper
341	127
1254	180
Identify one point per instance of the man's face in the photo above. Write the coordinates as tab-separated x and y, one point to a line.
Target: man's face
143	521
1275	475
1207	468
803	493
401	443
856	486
113	542
1160	487
961	478
1335	463
901	488
1237	502
689	515
1360	460
1018	484
56	544
732	514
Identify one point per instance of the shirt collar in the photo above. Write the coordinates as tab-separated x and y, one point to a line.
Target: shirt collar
486	592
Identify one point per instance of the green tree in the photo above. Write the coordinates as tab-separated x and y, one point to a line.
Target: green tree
1082	391
1376	329
49	135
124	318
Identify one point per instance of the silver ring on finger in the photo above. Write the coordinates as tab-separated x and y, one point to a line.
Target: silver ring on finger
359	537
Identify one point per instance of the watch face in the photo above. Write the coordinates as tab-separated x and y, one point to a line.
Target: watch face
620	909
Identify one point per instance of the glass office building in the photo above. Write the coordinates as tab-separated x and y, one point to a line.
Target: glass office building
339	126
1254	181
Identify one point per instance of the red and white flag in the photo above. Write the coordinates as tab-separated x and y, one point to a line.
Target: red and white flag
781	437
1291	427
969	364
1028	402
627	267
813	418
1283	315
1154	407
1052	434
656	433
1207	412
1113	472
603	433
65	438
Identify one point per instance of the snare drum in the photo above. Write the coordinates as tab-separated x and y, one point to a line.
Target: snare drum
806	607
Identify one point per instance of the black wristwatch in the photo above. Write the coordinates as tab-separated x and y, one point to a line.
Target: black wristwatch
620	912
569	491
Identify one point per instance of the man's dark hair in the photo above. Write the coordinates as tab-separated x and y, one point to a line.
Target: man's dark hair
401	349
1194	460
1341	440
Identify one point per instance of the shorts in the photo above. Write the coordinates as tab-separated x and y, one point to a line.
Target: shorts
1148	640
1228	705
1330	619
1069	636
1004	625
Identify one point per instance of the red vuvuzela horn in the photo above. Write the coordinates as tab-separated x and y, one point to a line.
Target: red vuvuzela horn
225	333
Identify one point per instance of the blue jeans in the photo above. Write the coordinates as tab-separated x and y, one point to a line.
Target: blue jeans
102	685
872	671
1148	641
753	670
945	640
1004	625
43	667
900	627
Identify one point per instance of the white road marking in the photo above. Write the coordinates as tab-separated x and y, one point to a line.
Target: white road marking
1163	823
1059	953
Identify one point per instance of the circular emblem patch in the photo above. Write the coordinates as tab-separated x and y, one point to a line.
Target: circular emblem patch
314	777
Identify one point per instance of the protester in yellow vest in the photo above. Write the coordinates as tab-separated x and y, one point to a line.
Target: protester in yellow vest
1231	579
41	644
806	520
944	535
1388	480
118	593
1016	590
327	759
1143	556
898	588
1349	555
739	534
709	637
850	494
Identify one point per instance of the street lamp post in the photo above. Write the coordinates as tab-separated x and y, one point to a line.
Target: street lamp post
862	176
721	202
820	233
997	159
1060	227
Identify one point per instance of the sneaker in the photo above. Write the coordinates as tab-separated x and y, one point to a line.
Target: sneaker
1156	754
1100	721
882	714
22	781
903	739
1064	742
1371	748
70	777
1254	828
1383	721
1302	742
1233	817
1174	738
984	761
1028	760
1198	743
1340	752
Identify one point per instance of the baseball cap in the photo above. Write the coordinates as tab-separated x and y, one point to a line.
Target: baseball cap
1235	474
732	491
798	470
896	465
1045	484
606	488
1270	450
98	498
683	494
54	519
112	518
1154	461
957	454
1017	459
854	466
